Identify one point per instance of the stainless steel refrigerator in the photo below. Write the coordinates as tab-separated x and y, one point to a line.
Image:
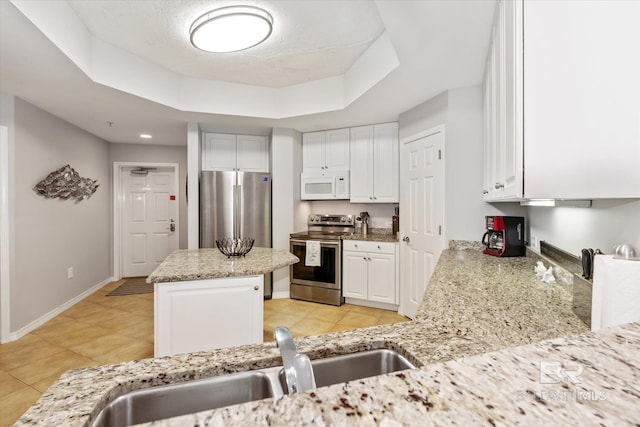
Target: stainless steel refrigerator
236	204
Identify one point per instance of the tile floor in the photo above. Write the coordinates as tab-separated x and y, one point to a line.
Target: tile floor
104	330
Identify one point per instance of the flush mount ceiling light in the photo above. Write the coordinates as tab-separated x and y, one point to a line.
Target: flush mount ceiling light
230	29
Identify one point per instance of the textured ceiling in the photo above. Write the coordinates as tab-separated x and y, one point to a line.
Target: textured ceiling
311	40
440	44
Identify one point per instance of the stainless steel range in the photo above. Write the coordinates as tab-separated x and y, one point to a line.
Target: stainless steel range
320	281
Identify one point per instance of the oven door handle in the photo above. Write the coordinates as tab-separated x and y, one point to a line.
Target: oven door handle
322	242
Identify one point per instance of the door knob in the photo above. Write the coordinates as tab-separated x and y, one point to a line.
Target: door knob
406	239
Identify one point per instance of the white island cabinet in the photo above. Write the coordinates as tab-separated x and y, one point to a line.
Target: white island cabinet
204	300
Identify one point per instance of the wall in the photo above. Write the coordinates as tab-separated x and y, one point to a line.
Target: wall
159	154
286	207
606	223
51	234
460	110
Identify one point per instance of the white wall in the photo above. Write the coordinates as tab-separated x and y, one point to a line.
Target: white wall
286	165
606	223
460	110
51	234
158	154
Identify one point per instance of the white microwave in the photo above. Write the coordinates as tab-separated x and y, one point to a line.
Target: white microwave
326	185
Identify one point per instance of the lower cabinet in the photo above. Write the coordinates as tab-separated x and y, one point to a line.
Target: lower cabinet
207	314
369	275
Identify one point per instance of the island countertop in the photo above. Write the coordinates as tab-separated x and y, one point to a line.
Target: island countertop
484	329
200	264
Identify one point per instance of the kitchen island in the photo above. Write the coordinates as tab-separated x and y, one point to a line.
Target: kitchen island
484	330
204	300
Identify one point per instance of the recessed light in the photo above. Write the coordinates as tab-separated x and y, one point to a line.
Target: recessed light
231	28
145	136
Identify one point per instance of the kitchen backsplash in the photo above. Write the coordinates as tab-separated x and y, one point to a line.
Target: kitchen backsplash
380	213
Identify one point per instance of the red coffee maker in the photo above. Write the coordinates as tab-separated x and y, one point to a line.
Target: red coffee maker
504	236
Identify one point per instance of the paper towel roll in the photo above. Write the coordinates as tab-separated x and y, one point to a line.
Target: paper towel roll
616	292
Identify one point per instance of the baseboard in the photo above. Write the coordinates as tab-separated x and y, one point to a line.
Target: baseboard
56	311
280	295
372	304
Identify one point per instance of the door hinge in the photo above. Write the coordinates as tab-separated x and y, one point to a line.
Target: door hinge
439	154
439	230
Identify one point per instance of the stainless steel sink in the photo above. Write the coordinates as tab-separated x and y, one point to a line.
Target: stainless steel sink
156	403
172	400
354	366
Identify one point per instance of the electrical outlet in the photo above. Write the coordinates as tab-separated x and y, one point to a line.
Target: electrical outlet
534	242
70	273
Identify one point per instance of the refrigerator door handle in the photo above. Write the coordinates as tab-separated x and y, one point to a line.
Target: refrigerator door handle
236	197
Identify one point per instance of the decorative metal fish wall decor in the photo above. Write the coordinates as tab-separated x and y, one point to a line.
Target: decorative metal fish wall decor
65	183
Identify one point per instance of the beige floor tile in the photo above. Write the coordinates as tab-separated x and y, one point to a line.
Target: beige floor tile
135	350
55	364
386	319
9	384
45	383
102	316
326	313
95	348
29	340
142	331
28	354
77	337
84	309
15	404
307	327
359	319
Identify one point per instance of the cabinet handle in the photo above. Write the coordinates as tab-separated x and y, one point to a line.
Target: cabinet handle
256	288
355	246
485	192
364	258
379	247
498	186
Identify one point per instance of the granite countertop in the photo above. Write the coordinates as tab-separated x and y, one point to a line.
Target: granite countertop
374	235
483	332
200	264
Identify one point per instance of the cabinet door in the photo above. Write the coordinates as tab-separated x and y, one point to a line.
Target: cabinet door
361	164
582	99
337	149
219	152
354	274
313	151
385	163
252	153
382	278
207	314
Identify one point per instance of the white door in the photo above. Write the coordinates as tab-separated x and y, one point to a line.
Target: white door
149	219
422	215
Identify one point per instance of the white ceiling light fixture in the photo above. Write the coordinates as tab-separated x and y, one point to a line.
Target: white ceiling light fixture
231	28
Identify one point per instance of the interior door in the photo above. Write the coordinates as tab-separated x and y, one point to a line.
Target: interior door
149	219
422	211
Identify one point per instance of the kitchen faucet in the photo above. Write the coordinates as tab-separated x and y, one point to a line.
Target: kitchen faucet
297	367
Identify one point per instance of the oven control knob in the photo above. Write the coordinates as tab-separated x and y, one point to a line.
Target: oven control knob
343	219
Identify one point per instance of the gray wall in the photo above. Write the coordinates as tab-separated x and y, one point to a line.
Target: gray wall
607	223
50	234
460	110
158	154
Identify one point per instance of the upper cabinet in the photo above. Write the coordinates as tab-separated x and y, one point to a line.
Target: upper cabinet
224	152
374	164
562	101
325	150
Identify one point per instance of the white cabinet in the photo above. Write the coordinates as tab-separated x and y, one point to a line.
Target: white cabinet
207	314
370	273
247	153
374	164
562	101
325	150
